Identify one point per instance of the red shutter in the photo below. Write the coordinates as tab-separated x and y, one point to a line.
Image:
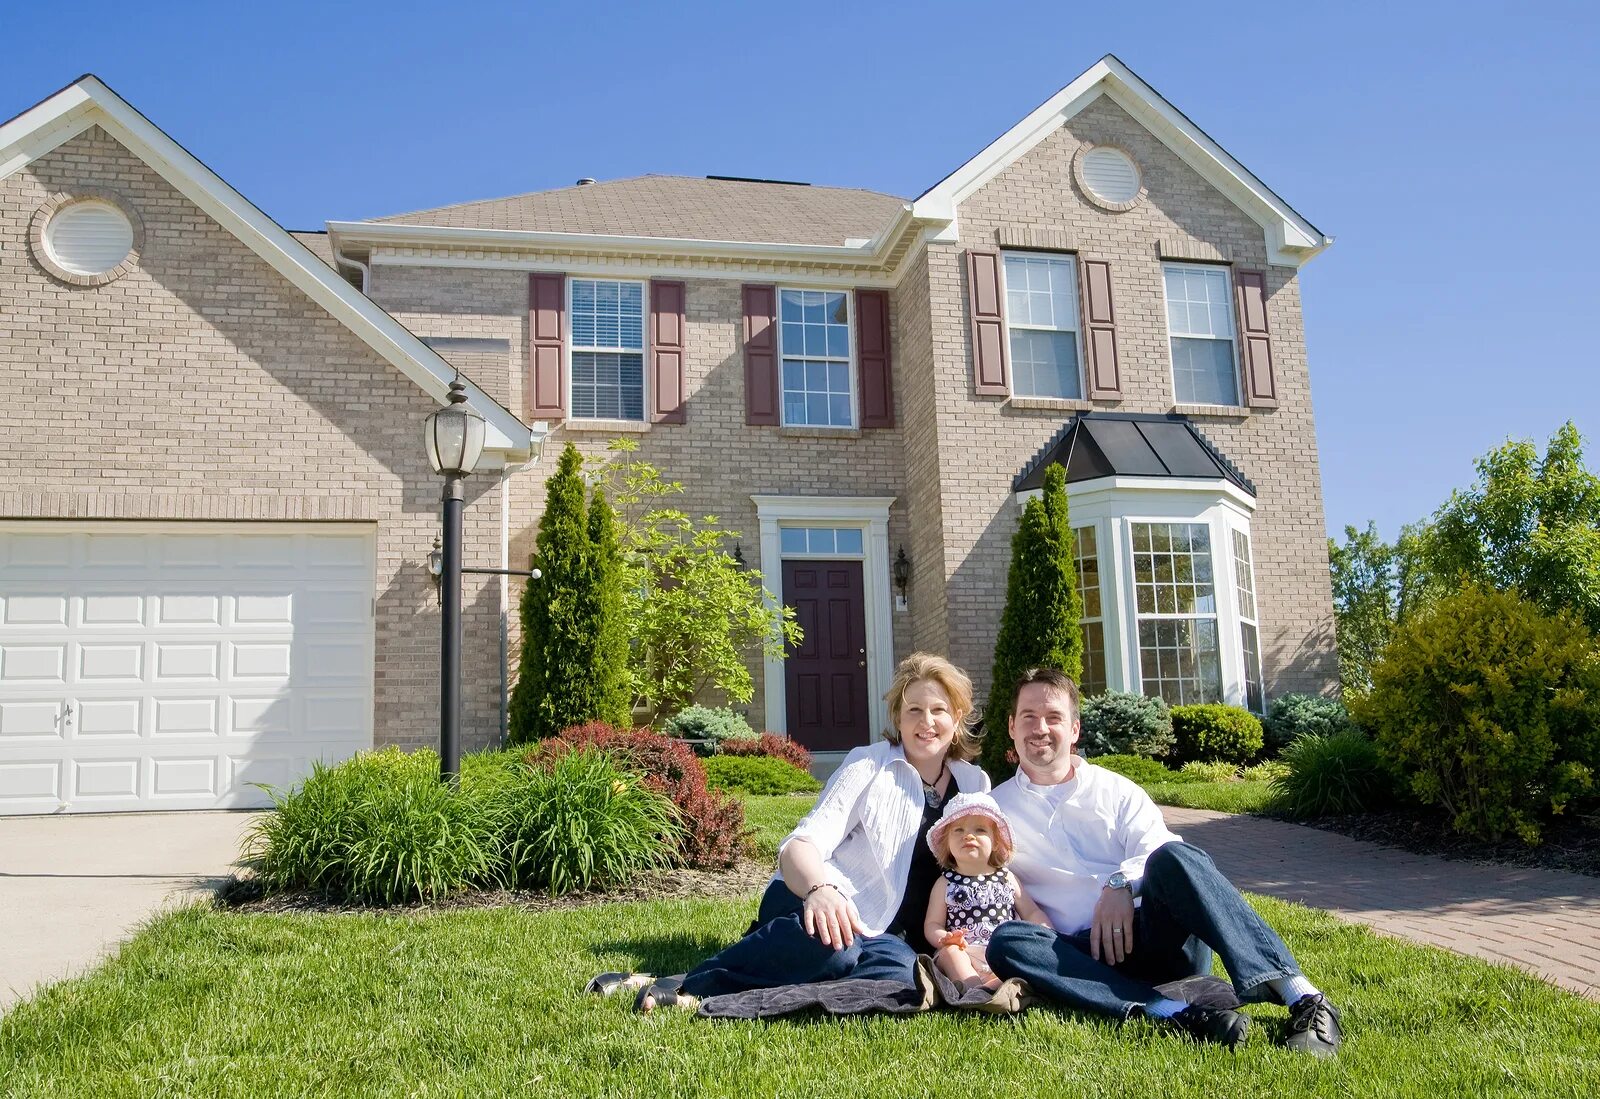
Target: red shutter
1255	343
547	358
666	352
873	359
761	355
1100	332
990	375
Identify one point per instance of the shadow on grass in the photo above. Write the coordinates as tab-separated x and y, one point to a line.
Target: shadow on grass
677	953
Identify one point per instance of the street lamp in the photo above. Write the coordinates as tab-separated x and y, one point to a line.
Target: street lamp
454	438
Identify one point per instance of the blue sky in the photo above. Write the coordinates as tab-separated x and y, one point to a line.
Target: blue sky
1453	150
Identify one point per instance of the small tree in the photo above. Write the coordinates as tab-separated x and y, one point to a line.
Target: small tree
1376	587
613	675
1039	626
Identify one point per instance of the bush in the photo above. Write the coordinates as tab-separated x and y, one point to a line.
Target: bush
1291	717
580	821
1137	768
758	775
1490	709
1212	731
1265	772
1210	772
768	744
1331	776
379	828
704	723
1115	723
712	824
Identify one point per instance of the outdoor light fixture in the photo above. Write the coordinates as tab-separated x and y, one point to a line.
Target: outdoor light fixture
902	571
738	555
454	435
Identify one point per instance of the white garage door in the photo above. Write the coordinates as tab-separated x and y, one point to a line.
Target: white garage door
173	666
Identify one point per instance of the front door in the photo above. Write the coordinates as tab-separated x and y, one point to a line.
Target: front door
825	677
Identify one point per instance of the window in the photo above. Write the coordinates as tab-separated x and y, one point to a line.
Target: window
1087	560
814	343
1249	633
607	350
829	541
1042	320
1175	600
1200	322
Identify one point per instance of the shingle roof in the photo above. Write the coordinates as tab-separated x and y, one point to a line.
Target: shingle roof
1130	444
683	207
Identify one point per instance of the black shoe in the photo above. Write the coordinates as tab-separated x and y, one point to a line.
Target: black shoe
1219	1025
1314	1026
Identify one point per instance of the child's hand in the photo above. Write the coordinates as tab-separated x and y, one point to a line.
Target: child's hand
954	938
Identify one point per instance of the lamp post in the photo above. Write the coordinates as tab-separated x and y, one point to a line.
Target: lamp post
454	438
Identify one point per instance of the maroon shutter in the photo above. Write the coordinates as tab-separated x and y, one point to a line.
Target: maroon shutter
761	355
547	359
873	359
1255	343
1100	332
990	375
666	352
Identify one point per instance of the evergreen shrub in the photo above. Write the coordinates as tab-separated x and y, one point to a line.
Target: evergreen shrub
1140	769
1118	723
1213	731
758	775
705	723
1331	775
767	744
1293	716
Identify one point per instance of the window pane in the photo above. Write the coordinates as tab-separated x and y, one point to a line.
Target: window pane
817	409
1250	643
1088	565
838	341
1044	364
839	411
1244	575
792	539
839	378
1094	659
794	338
1202	371
1180	661
816	340
794	374
849	540
820	539
794	408
789	305
607	385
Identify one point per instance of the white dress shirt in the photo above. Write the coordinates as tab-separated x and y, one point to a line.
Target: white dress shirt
865	826
1073	836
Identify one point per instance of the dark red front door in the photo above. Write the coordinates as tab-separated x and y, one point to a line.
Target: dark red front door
826	676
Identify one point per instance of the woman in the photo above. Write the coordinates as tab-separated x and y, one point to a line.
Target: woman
854	877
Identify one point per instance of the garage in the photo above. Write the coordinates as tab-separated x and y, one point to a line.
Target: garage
153	666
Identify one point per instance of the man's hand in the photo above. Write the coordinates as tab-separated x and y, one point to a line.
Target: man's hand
1111	931
831	918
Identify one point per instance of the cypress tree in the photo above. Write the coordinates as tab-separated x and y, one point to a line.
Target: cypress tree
1040	624
612	676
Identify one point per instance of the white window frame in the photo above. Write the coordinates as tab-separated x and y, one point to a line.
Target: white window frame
1219	626
1250	616
1085	620
643	352
1233	328
849	358
1077	316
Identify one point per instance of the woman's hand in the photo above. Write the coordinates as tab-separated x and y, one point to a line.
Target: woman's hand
831	917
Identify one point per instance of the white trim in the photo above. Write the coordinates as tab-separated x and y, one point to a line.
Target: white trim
613	267
871	514
87	102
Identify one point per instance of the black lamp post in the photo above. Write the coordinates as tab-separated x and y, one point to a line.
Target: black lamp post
454	437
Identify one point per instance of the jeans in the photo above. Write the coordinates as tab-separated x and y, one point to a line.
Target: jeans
777	951
1187	909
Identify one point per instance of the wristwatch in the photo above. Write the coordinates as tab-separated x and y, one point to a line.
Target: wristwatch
1119	880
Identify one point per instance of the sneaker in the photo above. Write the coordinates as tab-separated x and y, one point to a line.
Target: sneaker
1314	1027
1219	1025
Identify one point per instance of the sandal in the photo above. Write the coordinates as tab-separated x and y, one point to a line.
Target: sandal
605	984
660	994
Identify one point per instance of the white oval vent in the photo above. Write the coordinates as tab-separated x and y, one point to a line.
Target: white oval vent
89	237
1110	174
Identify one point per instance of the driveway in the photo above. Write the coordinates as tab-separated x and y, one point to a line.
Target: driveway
73	887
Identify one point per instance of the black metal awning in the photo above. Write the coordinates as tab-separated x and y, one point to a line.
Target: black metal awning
1130	444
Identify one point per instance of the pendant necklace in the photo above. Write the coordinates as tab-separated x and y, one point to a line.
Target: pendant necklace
930	790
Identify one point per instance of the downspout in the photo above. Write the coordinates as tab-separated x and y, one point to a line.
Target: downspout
505	602
366	272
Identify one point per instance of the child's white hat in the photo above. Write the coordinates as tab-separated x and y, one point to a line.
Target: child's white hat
970	805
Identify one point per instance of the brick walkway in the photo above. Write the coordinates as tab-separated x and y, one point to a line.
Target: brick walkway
1543	921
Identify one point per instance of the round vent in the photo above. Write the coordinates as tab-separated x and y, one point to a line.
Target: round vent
89	238
1110	175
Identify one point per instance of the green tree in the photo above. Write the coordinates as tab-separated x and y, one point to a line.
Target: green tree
613	676
1040	624
1376	587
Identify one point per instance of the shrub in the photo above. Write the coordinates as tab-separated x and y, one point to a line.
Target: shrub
1116	723
768	744
579	820
1490	709
379	828
1212	731
1265	771
1137	768
758	775
1209	772
1330	776
705	723
1291	717
712	833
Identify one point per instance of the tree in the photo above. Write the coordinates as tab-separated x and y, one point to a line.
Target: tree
1376	587
613	676
1039	626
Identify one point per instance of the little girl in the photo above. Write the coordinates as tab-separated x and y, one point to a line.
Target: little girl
972	841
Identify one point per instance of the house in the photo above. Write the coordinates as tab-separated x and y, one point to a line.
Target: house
213	545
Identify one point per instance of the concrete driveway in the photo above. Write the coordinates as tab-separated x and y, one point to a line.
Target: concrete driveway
73	887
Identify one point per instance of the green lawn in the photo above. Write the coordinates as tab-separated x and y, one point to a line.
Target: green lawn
1238	796
774	818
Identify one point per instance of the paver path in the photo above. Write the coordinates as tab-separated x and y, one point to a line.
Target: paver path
1545	921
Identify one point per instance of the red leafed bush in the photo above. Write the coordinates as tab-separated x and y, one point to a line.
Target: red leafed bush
768	744
713	833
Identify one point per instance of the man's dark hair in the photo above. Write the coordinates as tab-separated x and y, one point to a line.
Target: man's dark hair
1054	678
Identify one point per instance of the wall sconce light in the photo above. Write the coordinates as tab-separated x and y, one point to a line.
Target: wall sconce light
738	556
902	575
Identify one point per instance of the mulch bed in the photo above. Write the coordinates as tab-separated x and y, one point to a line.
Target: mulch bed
1569	843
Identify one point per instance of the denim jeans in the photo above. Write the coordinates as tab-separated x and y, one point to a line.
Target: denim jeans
1186	910
777	951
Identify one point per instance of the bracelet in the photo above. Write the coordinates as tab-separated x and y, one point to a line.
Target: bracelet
821	885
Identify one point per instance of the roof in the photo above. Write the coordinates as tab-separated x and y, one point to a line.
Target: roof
88	102
1130	444
316	241
684	207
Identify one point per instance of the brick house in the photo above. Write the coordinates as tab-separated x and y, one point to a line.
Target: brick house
213	550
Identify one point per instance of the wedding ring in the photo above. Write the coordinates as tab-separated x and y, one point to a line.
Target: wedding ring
1116	930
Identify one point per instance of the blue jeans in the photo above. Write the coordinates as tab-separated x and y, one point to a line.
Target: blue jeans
1186	910
779	952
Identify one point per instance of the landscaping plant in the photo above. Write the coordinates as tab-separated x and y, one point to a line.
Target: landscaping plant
1119	723
1213	731
1375	587
707	724
1331	775
1293	716
767	744
1138	769
1215	771
758	775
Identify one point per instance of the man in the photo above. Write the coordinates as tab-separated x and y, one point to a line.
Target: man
1132	905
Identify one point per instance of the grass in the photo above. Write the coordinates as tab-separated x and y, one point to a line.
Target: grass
1238	796
773	817
489	1002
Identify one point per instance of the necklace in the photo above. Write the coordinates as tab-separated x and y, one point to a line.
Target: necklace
930	790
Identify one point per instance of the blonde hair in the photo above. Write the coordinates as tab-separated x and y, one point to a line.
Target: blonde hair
999	854
957	687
